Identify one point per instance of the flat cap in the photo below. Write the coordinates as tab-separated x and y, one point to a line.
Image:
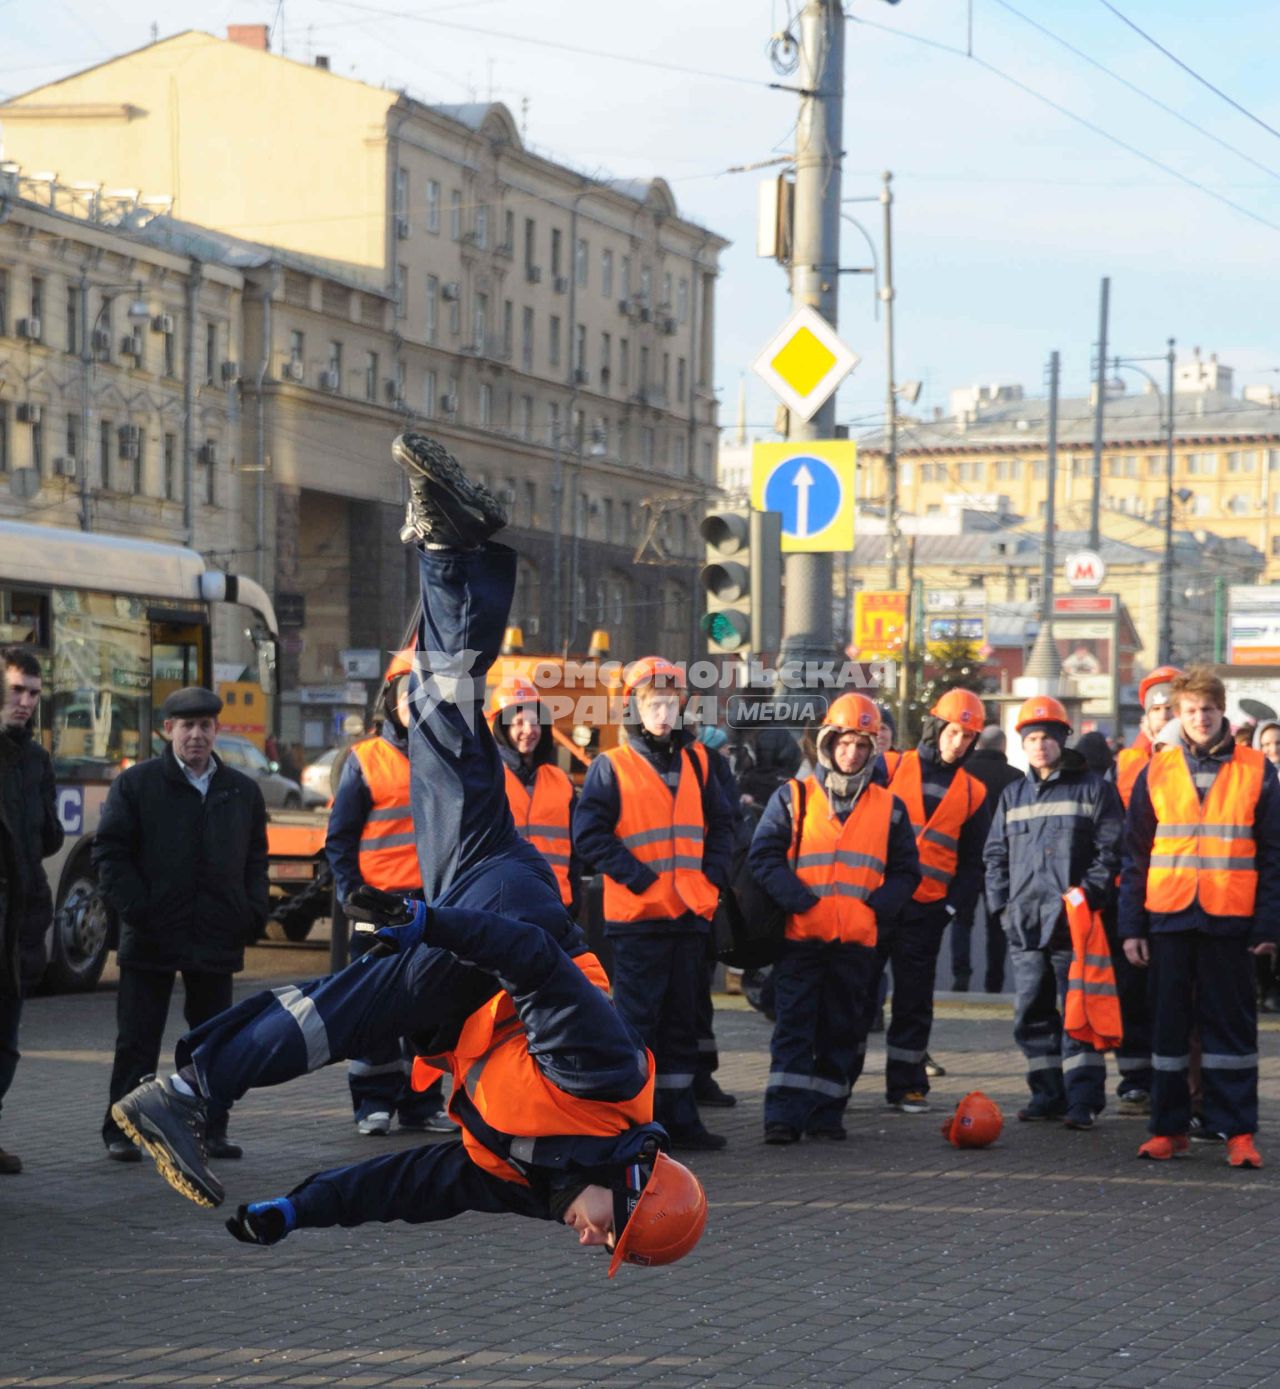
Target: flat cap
194	702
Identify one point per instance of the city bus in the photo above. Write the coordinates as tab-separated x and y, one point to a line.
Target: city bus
118	625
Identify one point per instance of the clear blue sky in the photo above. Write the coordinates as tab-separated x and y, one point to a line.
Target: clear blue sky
1007	214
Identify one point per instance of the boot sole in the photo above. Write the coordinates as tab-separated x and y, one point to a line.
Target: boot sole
445	473
165	1163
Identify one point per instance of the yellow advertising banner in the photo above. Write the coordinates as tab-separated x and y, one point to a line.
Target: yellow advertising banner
879	623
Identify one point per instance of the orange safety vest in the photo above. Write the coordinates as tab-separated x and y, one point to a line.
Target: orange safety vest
841	864
515	1101
892	759
1092	1012
666	834
938	839
542	817
1129	765
388	848
1204	852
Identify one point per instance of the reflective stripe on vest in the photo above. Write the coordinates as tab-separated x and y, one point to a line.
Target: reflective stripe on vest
842	865
1206	852
542	817
1129	765
665	833
388	847
938	839
503	1101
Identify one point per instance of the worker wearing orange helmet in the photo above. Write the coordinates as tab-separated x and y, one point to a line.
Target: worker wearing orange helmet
370	839
492	976
836	852
1057	828
950	817
653	819
1155	694
1199	898
539	793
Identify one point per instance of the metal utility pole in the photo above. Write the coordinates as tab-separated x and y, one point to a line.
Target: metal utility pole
86	385
1166	574
815	281
1099	410
194	277
893	528
1051	483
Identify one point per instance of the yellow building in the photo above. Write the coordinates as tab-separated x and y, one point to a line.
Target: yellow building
990	453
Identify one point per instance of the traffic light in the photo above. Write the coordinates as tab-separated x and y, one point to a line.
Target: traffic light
742	579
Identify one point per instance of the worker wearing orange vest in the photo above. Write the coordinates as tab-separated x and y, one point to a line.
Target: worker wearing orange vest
653	820
1054	829
565	1118
1199	896
950	817
540	795
837	854
370	840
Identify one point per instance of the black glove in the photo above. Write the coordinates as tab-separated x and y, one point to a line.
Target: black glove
263	1222
372	905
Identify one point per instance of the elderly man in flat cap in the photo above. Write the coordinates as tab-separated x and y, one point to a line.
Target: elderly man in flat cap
181	853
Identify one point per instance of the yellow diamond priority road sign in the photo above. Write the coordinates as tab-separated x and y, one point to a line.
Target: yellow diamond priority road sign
804	362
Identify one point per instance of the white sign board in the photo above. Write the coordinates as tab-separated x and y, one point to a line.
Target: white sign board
804	362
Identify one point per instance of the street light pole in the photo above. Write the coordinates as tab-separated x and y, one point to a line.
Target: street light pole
892	525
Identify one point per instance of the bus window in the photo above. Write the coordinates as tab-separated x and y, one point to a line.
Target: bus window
176	663
100	712
24	618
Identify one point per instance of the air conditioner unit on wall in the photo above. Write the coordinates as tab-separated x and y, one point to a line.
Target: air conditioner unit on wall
533	273
450	290
209	453
64	467
329	381
562	284
292	371
30	328
29	413
131	344
448	404
230	371
162	323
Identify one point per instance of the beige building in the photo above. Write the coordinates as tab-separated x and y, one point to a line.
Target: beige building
990	453
554	329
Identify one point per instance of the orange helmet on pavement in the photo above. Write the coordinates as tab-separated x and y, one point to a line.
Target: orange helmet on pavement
976	1123
1042	709
1152	683
652	670
513	691
855	713
962	707
659	1220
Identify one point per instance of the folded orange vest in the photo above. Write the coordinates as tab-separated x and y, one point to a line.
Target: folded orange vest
1093	1006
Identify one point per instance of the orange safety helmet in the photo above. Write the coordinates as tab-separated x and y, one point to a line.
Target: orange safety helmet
855	713
402	663
1042	709
976	1123
652	670
660	1220
962	707
1162	675
514	690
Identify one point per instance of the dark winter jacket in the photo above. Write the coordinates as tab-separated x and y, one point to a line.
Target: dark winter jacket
992	769
595	823
29	797
1140	831
187	875
1048	836
771	845
11	899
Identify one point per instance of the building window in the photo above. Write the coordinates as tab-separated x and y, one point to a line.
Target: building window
402	196
139	462
170	467
682	301
479	320
508	233
1008	469
210	474
553	423
678	455
1156	465
1242	461
433	309
37	447
530	243
455	216
526	339
624	363
429	395
554	341
4	303
1239	505
642	383
371	376
486	404
37	297
530	503
433	205
482	226
581	260
73	318
335	362
455	314
526	417
402	291
104	453
297	347
4	437
666	291
1081	466
606	360
646	284
1200	464
647	445
682	373
73	435
580	349
210	353
606	273
557	242
170	353
626	277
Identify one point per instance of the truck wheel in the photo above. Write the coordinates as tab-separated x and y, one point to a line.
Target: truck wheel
81	935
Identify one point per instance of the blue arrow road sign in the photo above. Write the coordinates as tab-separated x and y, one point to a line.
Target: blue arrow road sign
807	491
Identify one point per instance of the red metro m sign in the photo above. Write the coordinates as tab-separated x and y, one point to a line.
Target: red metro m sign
1085	569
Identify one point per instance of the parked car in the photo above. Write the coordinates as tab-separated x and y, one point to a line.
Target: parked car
317	776
279	792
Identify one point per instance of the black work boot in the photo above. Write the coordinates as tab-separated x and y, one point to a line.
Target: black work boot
170	1128
445	508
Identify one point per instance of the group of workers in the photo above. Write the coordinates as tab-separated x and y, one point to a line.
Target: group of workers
458	844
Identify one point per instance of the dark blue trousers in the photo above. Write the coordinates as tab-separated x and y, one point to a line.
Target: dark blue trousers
10	1015
379	1084
1206	982
995	947
821	996
1059	1069
658	979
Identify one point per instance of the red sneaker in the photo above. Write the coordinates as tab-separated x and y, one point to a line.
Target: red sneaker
1162	1147
1242	1152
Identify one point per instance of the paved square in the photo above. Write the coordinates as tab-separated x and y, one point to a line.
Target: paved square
892	1259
